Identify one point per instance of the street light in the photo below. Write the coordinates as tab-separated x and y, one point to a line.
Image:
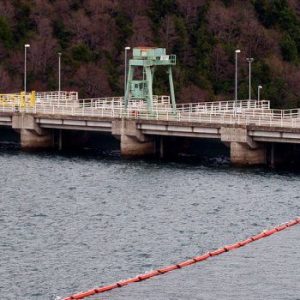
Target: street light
236	73
237	51
59	72
125	70
59	76
250	61
25	66
258	92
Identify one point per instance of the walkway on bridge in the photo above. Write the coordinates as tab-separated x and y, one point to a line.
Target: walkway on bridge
243	112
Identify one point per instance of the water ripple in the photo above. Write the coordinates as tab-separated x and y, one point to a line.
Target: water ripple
71	223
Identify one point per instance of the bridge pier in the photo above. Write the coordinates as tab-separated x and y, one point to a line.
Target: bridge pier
132	147
32	137
30	140
60	140
161	148
243	150
242	155
133	143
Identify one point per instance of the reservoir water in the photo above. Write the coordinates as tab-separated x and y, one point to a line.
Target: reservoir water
73	222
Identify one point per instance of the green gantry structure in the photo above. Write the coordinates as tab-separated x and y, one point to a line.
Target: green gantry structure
141	72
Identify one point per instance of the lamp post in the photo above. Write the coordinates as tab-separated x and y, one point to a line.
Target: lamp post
125	70
25	66
250	61
59	72
59	76
236	73
258	92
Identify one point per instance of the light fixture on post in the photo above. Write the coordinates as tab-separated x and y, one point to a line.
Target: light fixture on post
59	72
125	69
236	81
258	92
59	75
236	74
25	67
250	61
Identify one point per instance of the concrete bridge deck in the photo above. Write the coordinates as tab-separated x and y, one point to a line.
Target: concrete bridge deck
208	127
245	126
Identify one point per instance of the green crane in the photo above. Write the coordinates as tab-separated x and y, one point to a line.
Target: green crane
141	75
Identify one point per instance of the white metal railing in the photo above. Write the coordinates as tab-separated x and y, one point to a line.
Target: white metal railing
224	106
69	96
17	99
243	112
118	102
30	98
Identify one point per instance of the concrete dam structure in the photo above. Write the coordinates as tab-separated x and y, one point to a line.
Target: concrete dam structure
141	121
248	130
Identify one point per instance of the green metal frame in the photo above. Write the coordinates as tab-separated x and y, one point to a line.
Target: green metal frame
148	59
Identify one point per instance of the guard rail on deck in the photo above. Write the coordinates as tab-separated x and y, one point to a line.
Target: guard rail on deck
21	100
57	96
224	106
117	102
254	116
29	99
164	101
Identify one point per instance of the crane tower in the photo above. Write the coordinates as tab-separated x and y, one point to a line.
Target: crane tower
141	72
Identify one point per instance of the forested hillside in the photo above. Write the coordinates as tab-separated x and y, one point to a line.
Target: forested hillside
92	34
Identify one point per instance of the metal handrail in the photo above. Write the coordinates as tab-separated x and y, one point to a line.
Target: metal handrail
225	105
224	112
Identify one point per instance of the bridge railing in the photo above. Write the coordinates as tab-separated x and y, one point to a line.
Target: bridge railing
280	118
70	97
267	117
54	97
29	99
118	102
19	100
163	102
231	105
249	113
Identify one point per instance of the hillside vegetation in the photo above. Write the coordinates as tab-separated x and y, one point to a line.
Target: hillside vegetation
92	35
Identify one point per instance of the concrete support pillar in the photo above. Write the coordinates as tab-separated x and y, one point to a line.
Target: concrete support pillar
32	137
272	156
30	140
241	154
243	150
133	142
60	140
161	148
132	147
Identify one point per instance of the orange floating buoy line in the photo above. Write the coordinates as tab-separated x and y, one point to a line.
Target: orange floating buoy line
194	260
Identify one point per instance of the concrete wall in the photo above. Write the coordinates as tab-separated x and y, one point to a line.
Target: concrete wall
242	155
243	150
32	137
132	142
30	140
138	138
132	147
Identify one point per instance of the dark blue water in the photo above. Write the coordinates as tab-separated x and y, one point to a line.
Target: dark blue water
70	223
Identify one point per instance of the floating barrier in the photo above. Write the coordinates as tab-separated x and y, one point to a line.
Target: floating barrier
183	264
